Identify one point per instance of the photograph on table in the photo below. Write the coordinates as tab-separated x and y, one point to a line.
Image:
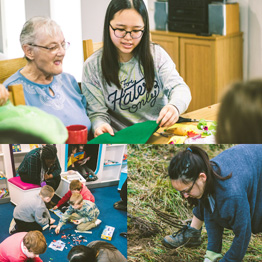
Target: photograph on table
195	202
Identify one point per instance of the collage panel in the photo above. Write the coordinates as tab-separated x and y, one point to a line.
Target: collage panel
59	202
194	202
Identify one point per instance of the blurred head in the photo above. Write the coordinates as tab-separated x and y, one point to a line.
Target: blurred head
34	243
81	148
82	253
44	45
76	200
240	114
75	186
47	193
49	155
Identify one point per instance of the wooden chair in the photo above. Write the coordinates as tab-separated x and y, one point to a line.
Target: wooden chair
89	47
8	68
16	94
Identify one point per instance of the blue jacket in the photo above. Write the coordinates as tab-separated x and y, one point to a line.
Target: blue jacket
238	200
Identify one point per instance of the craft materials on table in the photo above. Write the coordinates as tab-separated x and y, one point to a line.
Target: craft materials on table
196	134
108	233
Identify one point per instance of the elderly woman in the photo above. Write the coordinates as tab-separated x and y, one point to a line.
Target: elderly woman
228	192
45	85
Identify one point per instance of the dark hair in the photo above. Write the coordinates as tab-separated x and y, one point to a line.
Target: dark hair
49	152
188	164
82	253
240	114
110	58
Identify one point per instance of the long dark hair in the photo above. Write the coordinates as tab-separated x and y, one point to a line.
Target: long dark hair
82	253
110	57
188	164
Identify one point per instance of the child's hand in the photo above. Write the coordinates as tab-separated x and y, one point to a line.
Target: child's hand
168	116
53	226
52	221
105	128
3	94
76	222
55	207
57	230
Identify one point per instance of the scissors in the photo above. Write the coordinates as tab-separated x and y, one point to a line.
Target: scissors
183	120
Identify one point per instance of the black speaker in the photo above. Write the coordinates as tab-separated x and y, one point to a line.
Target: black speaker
161	15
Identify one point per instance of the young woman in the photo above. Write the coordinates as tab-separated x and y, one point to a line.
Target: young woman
228	190
130	80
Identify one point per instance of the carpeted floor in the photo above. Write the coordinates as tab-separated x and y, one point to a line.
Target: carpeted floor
105	198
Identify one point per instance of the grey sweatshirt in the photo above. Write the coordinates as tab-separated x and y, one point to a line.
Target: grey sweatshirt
32	210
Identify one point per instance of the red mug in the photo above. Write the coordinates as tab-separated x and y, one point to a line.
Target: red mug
77	134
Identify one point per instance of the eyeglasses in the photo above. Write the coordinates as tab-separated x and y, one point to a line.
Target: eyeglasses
54	48
187	191
121	33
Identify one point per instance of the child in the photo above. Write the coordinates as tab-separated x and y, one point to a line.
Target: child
86	213
76	187
95	251
23	247
32	214
130	80
79	161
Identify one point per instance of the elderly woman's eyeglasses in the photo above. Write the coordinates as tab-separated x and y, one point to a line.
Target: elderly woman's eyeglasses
121	33
54	48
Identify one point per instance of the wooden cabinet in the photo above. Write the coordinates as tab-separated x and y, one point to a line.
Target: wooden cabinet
207	64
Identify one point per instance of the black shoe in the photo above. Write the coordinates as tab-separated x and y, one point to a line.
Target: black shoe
12	227
120	205
188	236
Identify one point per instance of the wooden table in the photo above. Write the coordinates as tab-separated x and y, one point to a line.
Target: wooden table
208	113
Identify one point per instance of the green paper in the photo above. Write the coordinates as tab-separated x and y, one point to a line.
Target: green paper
30	121
136	134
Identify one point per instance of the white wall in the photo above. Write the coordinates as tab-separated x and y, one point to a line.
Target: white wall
254	39
93	13
251	26
83	19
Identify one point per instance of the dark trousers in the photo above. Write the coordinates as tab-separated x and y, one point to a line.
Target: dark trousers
54	182
84	170
22	226
123	192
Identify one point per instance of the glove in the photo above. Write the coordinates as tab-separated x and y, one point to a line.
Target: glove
212	256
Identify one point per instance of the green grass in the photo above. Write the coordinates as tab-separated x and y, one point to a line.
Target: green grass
148	184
